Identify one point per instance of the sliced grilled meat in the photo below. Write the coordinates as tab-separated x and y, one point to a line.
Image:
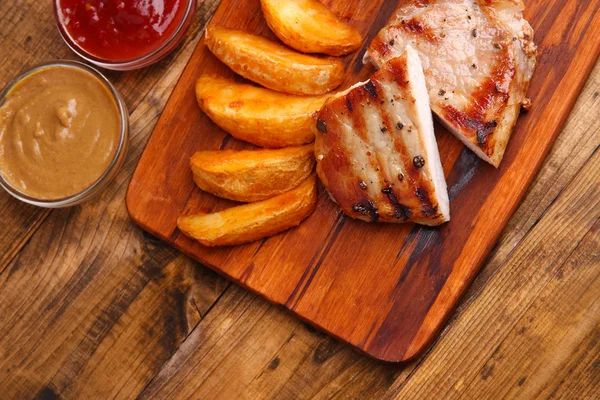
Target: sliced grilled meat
478	57
376	151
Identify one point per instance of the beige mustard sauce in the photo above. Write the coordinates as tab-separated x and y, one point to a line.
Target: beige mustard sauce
59	131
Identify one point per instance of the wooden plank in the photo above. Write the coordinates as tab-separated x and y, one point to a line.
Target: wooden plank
576	144
303	364
21	43
90	294
28	37
415	275
339	370
565	316
260	351
528	279
21	222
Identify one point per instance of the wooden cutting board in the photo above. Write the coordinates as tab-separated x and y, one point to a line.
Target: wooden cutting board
385	289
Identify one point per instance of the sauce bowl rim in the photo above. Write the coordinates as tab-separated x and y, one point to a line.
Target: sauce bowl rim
115	163
143	61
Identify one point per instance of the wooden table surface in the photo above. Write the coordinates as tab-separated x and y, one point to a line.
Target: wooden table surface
93	308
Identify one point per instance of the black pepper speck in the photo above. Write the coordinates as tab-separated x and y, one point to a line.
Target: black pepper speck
321	125
418	162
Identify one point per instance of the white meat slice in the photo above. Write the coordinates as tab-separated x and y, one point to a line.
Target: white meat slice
376	150
478	57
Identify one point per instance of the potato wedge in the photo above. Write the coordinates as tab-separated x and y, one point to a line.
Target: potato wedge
252	175
250	222
273	65
256	115
308	26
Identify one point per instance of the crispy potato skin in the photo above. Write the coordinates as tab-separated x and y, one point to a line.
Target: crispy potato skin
250	222
256	115
272	65
251	175
308	26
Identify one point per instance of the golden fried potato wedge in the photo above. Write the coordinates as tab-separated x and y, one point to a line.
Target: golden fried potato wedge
250	222
256	115
252	175
308	26
273	65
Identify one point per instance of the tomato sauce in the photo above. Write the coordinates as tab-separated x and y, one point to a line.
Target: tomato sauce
120	30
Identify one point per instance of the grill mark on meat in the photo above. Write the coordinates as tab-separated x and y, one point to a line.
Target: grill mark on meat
490	100
401	212
418	28
473	124
483	132
378	161
357	118
370	88
336	160
413	26
404	154
427	207
368	163
381	47
415	180
386	118
366	207
340	158
399	75
502	47
493	93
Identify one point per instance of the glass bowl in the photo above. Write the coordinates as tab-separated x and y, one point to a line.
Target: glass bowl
143	61
114	165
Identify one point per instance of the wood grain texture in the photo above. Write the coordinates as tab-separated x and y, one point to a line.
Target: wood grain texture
28	37
387	299
533	277
488	350
22	47
91	307
308	363
511	357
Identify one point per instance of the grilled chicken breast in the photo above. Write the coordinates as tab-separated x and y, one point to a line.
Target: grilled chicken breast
376	151
478	57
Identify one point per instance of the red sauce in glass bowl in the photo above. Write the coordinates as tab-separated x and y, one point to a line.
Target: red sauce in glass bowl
120	30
